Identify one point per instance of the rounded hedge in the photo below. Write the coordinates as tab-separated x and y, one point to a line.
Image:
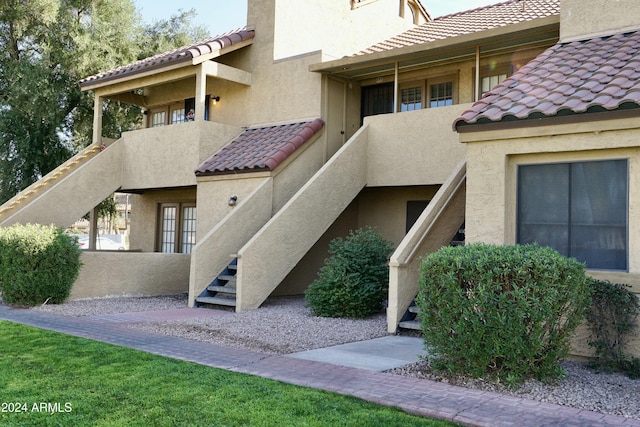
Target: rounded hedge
502	311
355	277
38	264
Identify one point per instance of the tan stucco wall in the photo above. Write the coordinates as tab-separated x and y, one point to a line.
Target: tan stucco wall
130	273
492	160
413	148
582	19
306	271
216	246
214	194
273	252
74	193
144	215
302	165
385	208
333	27
493	157
434	228
168	156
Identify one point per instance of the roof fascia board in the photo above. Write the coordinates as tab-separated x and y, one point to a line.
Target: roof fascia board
589	122
217	53
155	71
399	54
150	80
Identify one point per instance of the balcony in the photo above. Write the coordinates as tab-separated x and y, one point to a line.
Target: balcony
167	156
413	148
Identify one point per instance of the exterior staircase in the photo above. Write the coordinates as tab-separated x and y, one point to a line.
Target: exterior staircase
222	290
39	187
411	319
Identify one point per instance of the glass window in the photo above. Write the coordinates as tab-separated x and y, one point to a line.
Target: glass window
580	209
441	94
168	231
188	229
158	119
489	82
411	98
177	228
177	115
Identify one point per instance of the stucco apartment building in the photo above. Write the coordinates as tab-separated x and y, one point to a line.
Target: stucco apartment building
516	122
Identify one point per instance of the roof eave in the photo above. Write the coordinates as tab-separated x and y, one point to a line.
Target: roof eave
587	117
403	53
161	67
136	74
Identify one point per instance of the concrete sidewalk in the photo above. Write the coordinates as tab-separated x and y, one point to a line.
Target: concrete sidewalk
378	354
431	399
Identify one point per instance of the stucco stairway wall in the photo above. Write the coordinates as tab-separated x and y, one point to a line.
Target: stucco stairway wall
75	192
214	250
434	229
278	247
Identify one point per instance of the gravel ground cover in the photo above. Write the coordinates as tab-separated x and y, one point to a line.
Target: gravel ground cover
284	325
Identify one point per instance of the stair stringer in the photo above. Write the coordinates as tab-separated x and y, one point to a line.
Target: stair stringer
279	246
71	190
434	229
211	254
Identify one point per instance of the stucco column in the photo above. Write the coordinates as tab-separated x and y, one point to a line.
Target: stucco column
201	92
97	119
93	228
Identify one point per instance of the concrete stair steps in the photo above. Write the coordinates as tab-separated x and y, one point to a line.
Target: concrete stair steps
410	324
229	302
222	289
227	277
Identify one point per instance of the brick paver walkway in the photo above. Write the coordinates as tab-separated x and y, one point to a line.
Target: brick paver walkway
423	397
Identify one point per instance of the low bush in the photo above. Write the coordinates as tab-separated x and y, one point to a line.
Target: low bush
506	312
612	319
37	264
355	277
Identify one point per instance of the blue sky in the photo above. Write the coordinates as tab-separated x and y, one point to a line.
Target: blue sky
220	16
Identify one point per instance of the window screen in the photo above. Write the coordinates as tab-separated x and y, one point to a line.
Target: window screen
579	209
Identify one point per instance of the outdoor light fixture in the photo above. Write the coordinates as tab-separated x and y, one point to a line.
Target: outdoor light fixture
215	99
233	200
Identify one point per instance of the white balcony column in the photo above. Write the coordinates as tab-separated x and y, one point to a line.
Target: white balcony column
396	90
97	119
476	95
201	92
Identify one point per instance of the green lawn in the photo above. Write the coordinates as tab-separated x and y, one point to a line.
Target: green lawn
59	380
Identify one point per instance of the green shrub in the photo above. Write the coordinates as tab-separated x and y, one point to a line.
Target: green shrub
612	318
506	312
37	264
355	278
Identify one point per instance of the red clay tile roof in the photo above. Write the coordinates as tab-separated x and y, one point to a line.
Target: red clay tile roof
260	148
182	54
593	75
471	21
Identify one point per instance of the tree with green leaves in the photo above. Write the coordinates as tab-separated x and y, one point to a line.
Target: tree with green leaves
46	47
